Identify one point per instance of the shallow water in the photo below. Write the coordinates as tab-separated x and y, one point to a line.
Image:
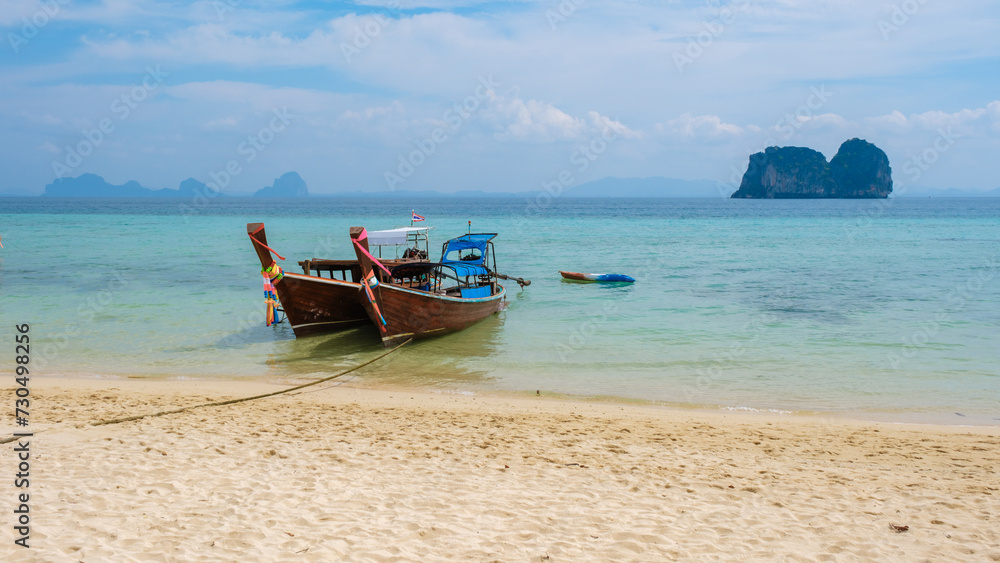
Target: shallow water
881	309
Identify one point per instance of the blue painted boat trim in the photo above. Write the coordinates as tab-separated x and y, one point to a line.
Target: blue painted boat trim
503	291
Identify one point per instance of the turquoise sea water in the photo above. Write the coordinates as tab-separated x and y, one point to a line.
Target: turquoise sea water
874	309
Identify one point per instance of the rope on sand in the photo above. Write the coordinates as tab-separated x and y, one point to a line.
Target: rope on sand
245	399
241	400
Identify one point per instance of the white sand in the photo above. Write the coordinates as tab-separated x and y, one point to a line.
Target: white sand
353	474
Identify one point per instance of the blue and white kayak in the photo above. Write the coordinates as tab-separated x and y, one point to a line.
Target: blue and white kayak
578	277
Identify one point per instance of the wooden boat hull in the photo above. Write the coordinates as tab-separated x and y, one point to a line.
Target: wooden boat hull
316	305
593	278
313	305
402	313
417	314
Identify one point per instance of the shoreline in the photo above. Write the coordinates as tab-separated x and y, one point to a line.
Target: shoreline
225	389
334	472
936	419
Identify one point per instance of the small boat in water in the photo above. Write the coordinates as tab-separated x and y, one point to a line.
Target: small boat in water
588	278
419	300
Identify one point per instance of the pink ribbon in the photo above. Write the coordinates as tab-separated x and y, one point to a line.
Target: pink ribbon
364	235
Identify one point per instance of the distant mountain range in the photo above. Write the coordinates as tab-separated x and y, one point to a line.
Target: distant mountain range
92	185
291	184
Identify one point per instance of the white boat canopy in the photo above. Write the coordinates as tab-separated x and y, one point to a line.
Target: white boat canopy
398	237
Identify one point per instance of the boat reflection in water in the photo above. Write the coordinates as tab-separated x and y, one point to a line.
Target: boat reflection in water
434	363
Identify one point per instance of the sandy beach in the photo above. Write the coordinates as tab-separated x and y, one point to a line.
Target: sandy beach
342	473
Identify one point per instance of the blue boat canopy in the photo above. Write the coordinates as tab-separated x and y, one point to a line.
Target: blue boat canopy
465	269
467	250
418	269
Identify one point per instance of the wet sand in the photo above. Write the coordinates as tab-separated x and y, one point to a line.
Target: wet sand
342	473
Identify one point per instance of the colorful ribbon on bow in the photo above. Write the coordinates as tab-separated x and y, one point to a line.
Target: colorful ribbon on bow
372	282
272	274
363	236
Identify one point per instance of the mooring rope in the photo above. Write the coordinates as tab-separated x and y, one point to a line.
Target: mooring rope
234	401
245	399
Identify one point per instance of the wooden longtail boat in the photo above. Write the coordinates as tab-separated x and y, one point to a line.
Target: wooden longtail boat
315	304
419	300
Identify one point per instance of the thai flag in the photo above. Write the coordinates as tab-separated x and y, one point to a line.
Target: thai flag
417	217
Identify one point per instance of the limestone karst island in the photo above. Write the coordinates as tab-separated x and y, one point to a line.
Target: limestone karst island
858	170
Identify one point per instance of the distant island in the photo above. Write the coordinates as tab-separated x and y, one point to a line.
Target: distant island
858	170
289	184
92	185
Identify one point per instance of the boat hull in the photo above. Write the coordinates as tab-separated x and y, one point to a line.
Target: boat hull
417	314
591	278
312	305
402	313
317	305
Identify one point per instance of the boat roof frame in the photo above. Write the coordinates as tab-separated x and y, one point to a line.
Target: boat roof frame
410	234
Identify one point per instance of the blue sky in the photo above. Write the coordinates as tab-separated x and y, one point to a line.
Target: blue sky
497	96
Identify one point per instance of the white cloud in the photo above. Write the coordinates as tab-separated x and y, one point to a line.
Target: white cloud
41	13
372	113
966	121
534	121
972	122
701	126
49	148
896	119
257	97
42	119
14	10
603	123
820	120
222	123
